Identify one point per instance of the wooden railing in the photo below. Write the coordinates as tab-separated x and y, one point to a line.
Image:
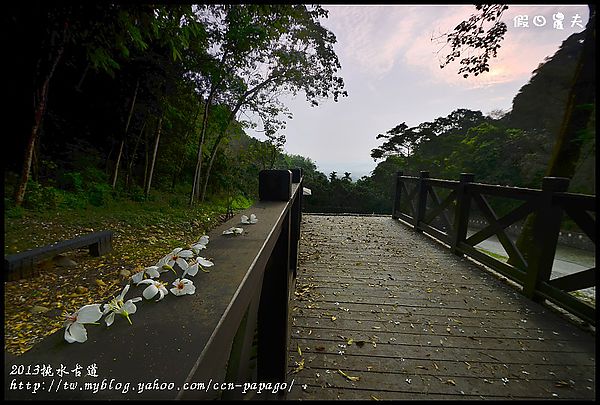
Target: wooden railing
445	215
224	341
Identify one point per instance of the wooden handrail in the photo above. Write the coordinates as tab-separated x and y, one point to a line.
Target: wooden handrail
202	342
420	207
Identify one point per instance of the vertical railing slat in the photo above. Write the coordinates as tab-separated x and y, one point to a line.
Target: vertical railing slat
421	200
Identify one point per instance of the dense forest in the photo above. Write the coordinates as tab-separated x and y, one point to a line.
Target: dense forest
125	101
140	102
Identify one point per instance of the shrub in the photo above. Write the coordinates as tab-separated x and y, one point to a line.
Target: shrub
99	194
74	200
14	212
137	194
40	198
92	175
71	181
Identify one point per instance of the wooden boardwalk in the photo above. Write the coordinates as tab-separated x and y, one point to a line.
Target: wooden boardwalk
382	312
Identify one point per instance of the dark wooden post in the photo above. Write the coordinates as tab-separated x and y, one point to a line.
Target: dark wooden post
545	236
273	334
274	185
461	215
397	195
421	200
296	221
239	363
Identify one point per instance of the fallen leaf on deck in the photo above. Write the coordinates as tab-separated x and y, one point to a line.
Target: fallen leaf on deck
299	367
450	382
348	376
564	384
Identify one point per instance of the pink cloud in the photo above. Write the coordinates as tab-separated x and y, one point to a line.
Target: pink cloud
381	40
522	49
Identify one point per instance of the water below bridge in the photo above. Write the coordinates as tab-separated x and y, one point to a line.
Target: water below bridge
383	312
567	260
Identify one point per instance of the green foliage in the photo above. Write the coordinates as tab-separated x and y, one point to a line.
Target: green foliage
14	212
40	198
91	174
99	194
71	181
240	202
478	43
136	193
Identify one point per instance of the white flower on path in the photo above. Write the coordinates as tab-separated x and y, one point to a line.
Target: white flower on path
201	244
251	220
183	286
117	306
233	231
177	256
201	263
75	331
152	272
155	287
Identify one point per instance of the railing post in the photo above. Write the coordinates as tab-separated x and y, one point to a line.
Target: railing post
274	185
272	328
546	228
296	221
421	200
461	215
397	195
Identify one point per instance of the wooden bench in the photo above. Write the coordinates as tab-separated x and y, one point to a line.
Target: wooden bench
21	265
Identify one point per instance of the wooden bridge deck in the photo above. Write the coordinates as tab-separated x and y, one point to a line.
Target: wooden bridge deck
382	312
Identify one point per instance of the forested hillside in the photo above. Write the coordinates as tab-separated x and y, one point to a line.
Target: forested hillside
508	148
126	101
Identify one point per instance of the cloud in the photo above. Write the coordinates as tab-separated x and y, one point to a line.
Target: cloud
521	51
381	40
371	38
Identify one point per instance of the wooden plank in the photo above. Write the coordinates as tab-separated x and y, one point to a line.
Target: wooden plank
507	244
501	223
407	305
405	321
451	184
517	193
583	220
436	233
441	206
575	281
509	271
579	201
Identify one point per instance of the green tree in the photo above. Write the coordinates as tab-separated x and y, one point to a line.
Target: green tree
574	129
105	34
290	51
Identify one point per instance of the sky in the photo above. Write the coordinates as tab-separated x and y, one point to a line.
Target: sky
391	70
